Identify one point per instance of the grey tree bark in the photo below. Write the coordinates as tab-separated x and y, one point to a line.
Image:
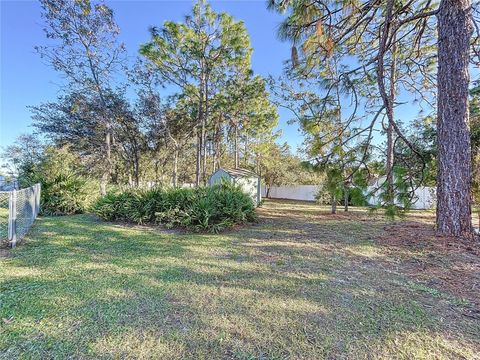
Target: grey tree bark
345	198
390	128
204	132
175	167
454	153
388	98
237	150
334	204
201	130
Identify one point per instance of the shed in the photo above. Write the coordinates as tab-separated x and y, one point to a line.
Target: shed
247	180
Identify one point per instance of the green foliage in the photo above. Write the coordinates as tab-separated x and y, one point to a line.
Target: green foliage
214	97
204	40
358	189
278	166
336	189
404	194
206	58
211	209
64	190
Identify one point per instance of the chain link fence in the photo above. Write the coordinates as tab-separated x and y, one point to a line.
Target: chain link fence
18	211
4	199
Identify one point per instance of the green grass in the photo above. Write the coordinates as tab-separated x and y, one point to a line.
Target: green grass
299	285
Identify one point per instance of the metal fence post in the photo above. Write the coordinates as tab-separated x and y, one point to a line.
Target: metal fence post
39	197
38	189
35	201
12	218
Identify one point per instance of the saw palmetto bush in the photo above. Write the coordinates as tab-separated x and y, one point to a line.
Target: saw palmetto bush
211	209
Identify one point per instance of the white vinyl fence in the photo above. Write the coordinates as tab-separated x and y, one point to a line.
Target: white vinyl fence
424	197
18	211
294	192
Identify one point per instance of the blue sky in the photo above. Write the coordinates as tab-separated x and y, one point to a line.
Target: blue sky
26	80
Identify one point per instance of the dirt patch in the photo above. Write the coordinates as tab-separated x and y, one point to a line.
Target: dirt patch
422	236
448	264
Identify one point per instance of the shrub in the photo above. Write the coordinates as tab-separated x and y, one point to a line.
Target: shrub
64	190
202	209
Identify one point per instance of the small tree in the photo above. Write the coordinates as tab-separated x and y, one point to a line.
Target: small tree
197	56
246	107
76	120
85	50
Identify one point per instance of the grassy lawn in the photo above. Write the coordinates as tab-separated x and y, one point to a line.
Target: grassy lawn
301	284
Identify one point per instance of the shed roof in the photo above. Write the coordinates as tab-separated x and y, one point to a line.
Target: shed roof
239	172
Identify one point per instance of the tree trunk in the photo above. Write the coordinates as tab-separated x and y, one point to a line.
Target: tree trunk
136	174
103	184
388	98
136	167
245	152
390	129
109	133
214	161
201	132
198	175
389	165
236	147
204	152
345	198
156	170
217	143
270	185
204	132
214	148
454	153
175	168
334	204
108	169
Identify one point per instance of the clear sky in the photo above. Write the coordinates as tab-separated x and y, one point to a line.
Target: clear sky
26	80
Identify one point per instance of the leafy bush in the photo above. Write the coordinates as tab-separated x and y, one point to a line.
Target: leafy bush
202	209
64	190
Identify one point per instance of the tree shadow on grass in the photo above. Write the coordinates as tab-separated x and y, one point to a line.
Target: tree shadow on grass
193	307
278	289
